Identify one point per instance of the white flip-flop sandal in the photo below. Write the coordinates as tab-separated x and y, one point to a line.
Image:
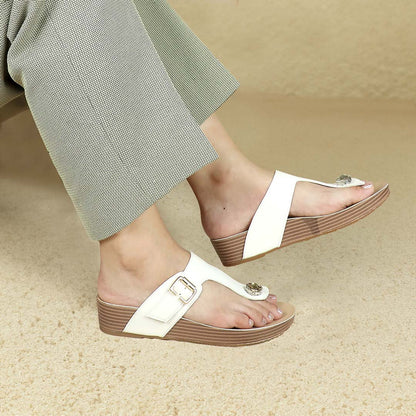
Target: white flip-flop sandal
161	314
272	228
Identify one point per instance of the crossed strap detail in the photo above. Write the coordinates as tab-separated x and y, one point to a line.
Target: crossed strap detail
268	225
171	300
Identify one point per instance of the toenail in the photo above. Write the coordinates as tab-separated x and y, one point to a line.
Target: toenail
270	316
250	322
273	297
370	185
264	320
279	312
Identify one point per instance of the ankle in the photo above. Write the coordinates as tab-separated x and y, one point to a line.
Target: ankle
228	202
129	274
126	256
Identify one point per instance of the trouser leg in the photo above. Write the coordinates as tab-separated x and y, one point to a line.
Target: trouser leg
115	126
200	78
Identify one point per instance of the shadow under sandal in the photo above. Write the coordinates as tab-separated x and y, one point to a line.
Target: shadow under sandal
272	228
161	314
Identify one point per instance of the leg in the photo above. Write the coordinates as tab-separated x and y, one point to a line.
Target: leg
120	136
230	189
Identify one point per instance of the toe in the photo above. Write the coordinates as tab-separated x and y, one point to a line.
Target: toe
272	299
255	314
358	193
273	310
268	310
242	321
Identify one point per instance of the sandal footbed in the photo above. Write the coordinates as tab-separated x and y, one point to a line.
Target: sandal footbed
113	318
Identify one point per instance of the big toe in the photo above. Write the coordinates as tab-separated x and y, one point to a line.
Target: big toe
358	193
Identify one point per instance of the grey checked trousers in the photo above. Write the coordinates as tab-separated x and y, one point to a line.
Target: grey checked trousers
118	90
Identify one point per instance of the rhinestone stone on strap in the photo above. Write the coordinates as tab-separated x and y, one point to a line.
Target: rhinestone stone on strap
253	288
343	180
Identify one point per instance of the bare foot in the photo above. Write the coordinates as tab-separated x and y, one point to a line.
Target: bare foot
234	196
230	189
133	267
312	199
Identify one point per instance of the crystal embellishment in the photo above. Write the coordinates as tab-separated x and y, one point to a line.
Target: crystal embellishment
253	288
343	180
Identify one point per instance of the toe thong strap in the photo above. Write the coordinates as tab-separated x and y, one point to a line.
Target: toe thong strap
170	301
268	225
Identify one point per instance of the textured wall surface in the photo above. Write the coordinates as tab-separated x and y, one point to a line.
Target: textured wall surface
316	48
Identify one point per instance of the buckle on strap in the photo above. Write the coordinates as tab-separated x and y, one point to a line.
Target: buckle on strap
183	288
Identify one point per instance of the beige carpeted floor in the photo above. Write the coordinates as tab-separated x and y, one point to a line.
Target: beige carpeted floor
351	350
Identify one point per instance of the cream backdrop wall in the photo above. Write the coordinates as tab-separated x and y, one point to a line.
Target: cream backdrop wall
312	48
